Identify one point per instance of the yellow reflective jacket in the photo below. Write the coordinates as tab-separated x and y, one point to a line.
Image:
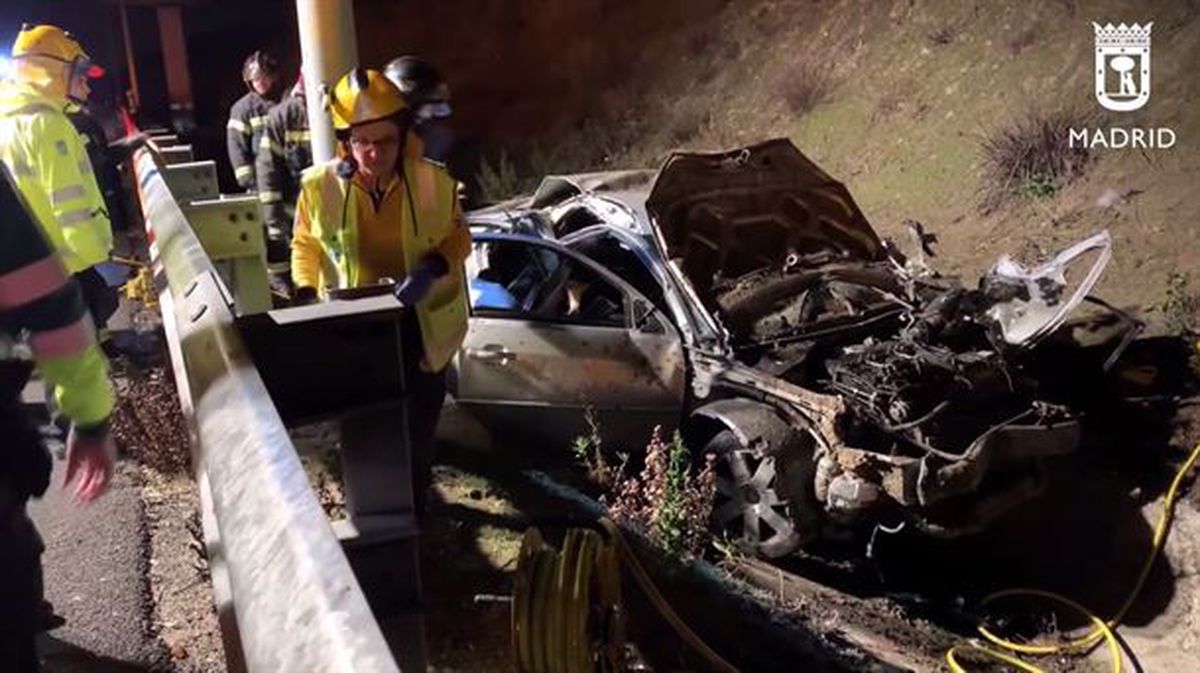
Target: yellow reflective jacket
325	245
47	157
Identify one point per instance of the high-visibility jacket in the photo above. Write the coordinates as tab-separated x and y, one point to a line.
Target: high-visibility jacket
37	296
50	164
283	154
243	133
326	232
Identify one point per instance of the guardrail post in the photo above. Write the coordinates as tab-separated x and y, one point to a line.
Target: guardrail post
380	534
342	360
231	232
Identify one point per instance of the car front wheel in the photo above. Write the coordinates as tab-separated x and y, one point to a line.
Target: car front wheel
758	495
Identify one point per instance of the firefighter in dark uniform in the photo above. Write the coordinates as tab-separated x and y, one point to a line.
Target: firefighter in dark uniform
106	157
428	96
283	153
38	298
249	114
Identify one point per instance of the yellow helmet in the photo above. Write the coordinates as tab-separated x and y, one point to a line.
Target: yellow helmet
49	42
363	96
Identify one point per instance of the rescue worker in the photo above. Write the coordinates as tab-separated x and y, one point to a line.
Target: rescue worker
47	157
381	211
283	154
106	157
38	297
428	96
243	132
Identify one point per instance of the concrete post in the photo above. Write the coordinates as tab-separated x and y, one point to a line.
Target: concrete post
329	50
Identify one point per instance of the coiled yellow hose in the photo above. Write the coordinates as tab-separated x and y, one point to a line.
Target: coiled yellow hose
567	615
1101	631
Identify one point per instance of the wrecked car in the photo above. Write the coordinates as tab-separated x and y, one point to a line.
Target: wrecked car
743	298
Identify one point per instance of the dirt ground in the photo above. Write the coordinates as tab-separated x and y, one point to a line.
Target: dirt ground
179	580
149	428
1085	539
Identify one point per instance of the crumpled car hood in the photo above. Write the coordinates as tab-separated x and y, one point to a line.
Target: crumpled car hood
722	215
1051	291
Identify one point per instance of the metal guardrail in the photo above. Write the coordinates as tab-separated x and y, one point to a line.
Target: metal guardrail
286	593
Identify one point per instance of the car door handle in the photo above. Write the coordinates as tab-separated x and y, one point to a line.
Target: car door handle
492	353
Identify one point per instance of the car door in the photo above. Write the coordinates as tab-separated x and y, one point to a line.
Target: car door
552	336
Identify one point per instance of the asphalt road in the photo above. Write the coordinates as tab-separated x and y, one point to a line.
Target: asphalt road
96	576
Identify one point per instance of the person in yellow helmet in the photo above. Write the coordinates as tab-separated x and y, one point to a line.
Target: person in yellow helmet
49	160
381	211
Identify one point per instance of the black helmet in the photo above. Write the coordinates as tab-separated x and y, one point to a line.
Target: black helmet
259	64
421	84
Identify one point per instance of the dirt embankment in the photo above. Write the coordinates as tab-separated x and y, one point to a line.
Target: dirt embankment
895	98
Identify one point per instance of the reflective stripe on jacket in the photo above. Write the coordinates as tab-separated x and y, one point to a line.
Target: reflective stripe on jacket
325	245
283	154
243	133
47	158
37	296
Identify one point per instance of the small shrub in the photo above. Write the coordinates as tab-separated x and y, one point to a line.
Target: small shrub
669	501
498	181
1032	159
1180	305
588	450
805	85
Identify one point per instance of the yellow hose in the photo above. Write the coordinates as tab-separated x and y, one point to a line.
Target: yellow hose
716	663
567	615
1102	630
566	609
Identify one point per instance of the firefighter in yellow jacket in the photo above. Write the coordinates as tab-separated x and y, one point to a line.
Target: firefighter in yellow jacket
380	212
48	158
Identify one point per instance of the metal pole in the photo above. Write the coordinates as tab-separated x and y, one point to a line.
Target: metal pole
329	50
135	100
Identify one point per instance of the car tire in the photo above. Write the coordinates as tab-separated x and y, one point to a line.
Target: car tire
763	499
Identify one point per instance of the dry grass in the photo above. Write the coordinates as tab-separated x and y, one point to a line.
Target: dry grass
942	35
804	85
498	178
1031	158
1021	41
1180	306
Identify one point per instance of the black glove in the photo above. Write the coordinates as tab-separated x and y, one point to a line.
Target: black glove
416	285
304	296
121	149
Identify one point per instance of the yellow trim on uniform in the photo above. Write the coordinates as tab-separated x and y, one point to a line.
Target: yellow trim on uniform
270	145
238	125
81	387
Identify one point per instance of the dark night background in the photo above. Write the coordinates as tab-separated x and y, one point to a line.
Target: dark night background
518	69
219	34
